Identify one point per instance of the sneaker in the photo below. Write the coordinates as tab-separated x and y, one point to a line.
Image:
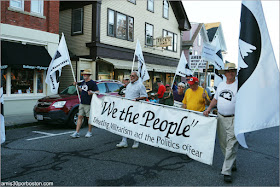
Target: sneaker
89	134
227	178
75	135
135	145
122	144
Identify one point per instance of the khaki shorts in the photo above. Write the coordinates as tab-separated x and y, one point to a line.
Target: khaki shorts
84	110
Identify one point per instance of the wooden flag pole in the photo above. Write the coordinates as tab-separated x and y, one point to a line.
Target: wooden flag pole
172	84
205	77
75	81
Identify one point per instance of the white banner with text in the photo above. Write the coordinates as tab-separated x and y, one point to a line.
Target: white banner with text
172	129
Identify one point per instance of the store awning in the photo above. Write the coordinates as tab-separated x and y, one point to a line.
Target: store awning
26	56
124	64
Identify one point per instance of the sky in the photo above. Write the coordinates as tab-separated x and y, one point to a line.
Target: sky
228	13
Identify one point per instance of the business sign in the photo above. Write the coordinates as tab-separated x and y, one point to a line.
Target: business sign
169	128
196	62
164	41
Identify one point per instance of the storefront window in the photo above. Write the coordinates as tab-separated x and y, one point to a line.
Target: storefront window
22	81
105	71
40	79
4	79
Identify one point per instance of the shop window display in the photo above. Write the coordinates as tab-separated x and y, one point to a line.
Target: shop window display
22	81
4	79
40	81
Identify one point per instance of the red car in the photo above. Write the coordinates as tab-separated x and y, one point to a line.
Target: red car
63	108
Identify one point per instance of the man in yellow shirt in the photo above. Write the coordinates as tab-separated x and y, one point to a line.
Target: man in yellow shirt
195	98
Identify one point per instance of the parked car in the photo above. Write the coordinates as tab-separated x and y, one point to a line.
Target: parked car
63	108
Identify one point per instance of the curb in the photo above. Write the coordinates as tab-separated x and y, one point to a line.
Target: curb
16	126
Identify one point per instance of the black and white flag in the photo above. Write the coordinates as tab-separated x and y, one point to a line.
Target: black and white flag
218	62
142	69
257	99
60	59
3	136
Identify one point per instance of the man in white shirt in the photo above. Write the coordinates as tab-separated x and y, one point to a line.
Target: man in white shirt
225	99
135	90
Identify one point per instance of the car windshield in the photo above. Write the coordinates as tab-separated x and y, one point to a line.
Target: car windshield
70	90
114	87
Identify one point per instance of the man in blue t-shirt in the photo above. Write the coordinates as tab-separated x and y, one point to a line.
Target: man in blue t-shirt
86	88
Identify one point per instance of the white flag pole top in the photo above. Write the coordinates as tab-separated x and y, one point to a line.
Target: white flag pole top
142	69
59	60
257	100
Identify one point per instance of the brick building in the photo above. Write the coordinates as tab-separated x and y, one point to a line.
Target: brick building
29	38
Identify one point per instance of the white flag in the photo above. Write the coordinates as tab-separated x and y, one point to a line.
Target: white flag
60	59
218	63
183	68
142	69
257	100
3	136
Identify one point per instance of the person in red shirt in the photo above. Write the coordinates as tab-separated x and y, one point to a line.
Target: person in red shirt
161	90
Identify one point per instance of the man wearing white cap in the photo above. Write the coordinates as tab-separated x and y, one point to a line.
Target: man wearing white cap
225	99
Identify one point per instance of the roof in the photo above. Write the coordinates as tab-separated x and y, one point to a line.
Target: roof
181	15
211	33
211	25
190	42
200	29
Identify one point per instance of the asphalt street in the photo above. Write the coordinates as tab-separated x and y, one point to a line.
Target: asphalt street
48	154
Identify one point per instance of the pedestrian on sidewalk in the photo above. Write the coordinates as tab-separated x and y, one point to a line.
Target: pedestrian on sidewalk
225	98
135	90
86	89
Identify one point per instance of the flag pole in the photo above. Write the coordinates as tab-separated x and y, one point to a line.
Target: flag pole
75	81
197	66
205	77
172	84
133	62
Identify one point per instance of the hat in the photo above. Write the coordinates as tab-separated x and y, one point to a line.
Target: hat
167	85
193	80
86	72
228	66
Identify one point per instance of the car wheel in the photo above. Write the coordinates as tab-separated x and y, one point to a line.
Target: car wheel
72	122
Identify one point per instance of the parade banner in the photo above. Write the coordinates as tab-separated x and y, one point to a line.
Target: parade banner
169	128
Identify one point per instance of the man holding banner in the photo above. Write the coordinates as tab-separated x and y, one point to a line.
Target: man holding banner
135	90
225	97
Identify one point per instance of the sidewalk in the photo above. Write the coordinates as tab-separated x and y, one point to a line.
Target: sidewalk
17	120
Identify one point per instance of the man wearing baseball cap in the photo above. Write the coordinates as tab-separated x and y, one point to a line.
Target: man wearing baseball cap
195	97
225	100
